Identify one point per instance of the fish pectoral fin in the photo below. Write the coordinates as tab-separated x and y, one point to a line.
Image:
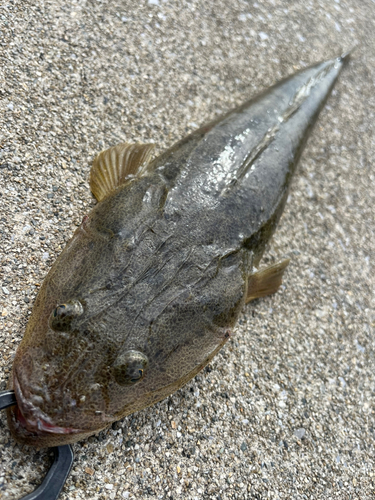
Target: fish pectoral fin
266	281
117	165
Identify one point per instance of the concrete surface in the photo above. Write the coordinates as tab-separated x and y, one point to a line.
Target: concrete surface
286	410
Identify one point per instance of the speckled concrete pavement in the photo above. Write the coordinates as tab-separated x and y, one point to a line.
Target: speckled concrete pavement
286	410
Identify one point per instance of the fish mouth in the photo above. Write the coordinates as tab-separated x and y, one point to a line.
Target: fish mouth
31	418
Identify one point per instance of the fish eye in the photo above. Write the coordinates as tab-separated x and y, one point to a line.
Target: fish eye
62	316
130	367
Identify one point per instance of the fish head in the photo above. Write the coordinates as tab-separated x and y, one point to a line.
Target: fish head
100	345
71	380
73	376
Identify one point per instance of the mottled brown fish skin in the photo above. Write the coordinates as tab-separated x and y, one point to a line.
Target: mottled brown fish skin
150	286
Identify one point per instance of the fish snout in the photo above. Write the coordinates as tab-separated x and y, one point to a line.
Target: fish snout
29	411
51	416
30	425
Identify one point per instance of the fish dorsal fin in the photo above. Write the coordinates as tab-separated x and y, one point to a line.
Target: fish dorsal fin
116	165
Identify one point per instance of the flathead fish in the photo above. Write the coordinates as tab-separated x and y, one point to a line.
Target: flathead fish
151	284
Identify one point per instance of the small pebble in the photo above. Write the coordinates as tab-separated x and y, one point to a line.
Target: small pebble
300	433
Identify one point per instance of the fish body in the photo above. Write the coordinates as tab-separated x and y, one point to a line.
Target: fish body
150	286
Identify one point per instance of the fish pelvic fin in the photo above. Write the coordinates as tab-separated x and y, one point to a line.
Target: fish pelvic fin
267	281
117	165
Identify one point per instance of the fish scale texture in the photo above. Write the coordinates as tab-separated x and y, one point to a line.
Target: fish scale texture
286	409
